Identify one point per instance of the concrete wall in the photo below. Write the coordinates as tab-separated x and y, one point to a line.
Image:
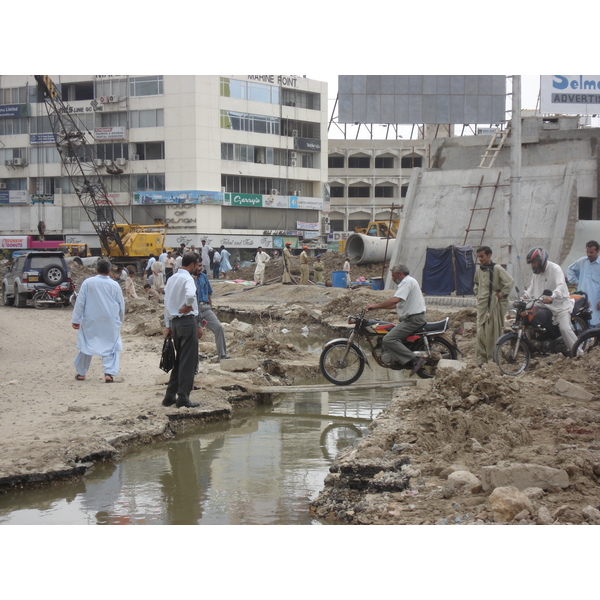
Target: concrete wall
438	208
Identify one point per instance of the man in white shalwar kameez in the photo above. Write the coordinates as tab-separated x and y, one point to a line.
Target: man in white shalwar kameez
98	315
261	259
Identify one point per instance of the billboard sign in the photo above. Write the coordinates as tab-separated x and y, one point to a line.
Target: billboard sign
570	94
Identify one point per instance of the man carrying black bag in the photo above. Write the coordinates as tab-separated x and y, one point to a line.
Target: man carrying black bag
181	321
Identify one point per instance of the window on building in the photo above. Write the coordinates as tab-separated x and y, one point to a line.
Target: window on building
9	154
46	185
13	126
359	191
265	219
384	191
113	119
146	86
335	161
150	182
149	215
384	162
147	118
336	191
112	151
16	183
249	90
13	95
111	87
248	122
306	160
71	92
588	209
336	224
301	99
303	129
150	150
116	183
359	162
403	191
412	161
44	155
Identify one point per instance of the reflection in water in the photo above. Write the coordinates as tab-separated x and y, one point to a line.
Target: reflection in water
262	467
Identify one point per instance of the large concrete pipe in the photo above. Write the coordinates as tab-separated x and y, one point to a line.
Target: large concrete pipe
362	249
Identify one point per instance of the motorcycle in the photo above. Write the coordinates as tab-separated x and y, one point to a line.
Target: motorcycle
63	294
342	360
533	333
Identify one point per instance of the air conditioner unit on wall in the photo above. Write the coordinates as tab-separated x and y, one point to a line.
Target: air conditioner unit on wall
295	133
135	157
98	162
2	185
107	163
121	162
19	162
274	192
57	191
103	99
8	163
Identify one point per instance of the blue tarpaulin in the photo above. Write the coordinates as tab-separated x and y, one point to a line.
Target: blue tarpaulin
449	270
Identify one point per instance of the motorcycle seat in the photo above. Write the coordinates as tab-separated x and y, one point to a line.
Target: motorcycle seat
435	326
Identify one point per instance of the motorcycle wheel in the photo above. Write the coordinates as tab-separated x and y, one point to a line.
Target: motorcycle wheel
338	370
503	356
37	301
579	325
588	341
436	344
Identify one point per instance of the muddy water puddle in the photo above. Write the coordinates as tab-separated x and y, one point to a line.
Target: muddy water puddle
262	467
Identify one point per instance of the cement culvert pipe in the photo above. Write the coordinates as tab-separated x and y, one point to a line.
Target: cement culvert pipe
362	249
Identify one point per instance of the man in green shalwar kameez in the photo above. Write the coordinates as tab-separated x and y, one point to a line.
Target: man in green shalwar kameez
492	285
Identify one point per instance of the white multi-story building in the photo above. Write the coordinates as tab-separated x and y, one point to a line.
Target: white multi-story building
239	160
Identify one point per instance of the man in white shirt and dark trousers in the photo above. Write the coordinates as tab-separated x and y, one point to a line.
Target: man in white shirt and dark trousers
410	306
181	321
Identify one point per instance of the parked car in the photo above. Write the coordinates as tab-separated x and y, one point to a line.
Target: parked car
30	272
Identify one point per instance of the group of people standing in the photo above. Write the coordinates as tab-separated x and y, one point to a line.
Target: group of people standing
318	267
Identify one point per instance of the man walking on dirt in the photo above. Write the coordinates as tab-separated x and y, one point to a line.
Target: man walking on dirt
181	321
410	306
492	285
304	271
286	278
97	316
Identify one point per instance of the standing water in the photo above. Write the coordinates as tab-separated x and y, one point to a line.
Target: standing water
264	466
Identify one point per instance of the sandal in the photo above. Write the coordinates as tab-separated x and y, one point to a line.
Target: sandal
108	378
79	377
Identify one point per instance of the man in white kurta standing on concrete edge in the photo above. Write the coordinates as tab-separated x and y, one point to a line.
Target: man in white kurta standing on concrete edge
181	321
98	315
585	272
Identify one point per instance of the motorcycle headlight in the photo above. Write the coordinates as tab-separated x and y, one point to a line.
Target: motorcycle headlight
511	314
351	320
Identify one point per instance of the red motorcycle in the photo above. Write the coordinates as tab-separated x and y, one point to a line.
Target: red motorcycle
63	294
343	361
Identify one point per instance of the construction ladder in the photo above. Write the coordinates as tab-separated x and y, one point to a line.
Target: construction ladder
494	148
476	209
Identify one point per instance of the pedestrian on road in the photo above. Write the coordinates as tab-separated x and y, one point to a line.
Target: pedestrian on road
204	292
318	268
216	264
181	321
286	277
205	256
224	265
304	266
410	306
97	316
346	269
261	259
129	287
585	272
492	285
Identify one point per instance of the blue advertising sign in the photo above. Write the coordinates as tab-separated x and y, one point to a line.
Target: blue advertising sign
14	110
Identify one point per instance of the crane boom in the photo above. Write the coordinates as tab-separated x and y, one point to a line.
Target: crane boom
77	155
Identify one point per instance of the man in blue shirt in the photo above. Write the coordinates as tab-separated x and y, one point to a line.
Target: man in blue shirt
585	272
204	292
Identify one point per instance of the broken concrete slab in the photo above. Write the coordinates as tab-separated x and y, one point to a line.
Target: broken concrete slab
523	476
239	364
570	390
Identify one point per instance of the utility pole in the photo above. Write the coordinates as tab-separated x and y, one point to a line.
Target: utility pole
514	222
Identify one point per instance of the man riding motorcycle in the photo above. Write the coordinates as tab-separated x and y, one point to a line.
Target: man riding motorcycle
410	306
549	276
